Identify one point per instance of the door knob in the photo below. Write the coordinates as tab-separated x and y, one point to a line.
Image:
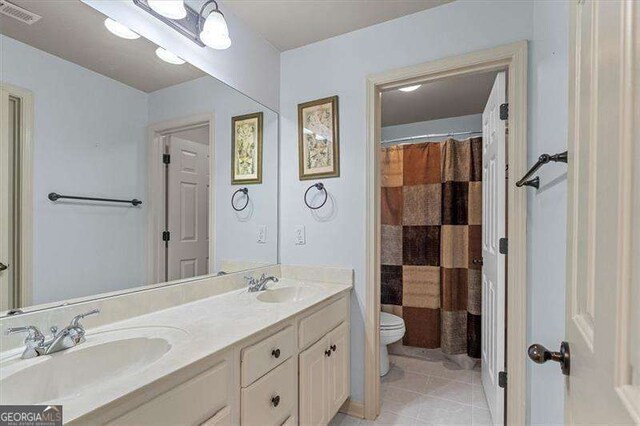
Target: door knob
3	266
539	354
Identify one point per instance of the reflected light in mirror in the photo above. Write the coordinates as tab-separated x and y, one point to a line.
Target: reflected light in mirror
215	33
169	57
410	88
120	30
173	9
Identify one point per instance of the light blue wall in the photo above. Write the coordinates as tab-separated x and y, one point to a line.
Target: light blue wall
339	66
546	227
87	143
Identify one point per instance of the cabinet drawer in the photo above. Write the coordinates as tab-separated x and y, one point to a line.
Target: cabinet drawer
190	403
271	400
221	418
259	359
320	323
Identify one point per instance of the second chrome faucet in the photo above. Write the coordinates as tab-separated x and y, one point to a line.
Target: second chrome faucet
259	284
36	344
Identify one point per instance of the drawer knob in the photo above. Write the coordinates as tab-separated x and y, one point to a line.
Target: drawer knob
333	348
327	352
275	353
275	400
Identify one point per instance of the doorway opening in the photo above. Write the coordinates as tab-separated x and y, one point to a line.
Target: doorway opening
16	119
441	329
438	275
181	234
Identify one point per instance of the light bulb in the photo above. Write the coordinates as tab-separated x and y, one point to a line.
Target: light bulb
173	9
215	32
116	28
169	57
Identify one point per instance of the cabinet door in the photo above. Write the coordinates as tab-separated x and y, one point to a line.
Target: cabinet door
338	374
313	384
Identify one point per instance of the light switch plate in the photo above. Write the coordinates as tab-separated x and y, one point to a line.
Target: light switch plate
300	236
262	234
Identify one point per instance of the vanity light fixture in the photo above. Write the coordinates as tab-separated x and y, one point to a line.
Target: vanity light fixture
410	88
120	30
215	32
169	57
172	9
203	28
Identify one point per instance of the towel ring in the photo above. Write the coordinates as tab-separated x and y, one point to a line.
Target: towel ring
320	187
245	191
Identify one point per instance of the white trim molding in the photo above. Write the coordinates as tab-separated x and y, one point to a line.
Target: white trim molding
512	58
156	193
27	124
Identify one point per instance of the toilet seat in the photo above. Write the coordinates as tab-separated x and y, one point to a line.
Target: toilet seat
390	322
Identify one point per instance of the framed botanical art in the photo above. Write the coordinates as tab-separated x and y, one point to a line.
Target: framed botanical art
318	140
246	149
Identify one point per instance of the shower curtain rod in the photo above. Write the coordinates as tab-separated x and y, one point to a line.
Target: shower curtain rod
432	135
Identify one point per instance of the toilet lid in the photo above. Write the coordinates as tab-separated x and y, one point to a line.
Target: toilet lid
389	321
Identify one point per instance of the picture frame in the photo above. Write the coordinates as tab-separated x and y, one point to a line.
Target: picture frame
318	139
246	149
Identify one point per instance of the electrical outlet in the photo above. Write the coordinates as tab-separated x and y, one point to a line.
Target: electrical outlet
262	234
300	235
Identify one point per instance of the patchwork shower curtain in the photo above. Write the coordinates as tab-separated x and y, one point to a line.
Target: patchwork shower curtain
431	234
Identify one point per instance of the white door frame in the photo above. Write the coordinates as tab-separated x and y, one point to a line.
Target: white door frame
512	58
156	193
26	186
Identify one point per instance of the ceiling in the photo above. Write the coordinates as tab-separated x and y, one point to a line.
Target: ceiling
288	24
449	97
74	31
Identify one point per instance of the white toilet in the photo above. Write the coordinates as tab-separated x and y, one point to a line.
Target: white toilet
391	330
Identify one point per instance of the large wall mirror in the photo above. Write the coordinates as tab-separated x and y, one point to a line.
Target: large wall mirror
122	167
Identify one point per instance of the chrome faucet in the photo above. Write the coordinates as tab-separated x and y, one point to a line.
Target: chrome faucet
259	284
36	344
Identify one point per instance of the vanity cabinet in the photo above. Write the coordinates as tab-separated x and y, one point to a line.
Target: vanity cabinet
204	399
324	377
295	372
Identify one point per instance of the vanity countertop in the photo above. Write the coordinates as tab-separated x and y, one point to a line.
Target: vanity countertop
194	332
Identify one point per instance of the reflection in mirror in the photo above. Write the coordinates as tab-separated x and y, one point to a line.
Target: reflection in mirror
117	161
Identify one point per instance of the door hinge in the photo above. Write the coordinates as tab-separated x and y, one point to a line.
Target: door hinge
502	379
504	111
503	245
166	158
166	236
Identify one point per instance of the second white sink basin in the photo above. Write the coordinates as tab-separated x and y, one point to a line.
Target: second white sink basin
286	294
102	358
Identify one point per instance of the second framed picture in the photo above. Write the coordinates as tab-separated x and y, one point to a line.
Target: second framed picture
318	140
246	149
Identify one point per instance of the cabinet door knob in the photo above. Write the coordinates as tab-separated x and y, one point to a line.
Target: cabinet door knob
275	400
333	347
327	352
275	353
3	266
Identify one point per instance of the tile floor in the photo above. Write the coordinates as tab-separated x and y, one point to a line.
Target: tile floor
422	392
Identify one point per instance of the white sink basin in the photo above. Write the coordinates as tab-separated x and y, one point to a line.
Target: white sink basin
286	294
104	357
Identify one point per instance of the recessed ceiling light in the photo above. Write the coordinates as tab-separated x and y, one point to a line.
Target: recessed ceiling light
410	88
120	30
173	9
167	56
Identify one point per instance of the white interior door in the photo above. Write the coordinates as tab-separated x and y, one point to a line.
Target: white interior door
603	257
187	209
493	228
